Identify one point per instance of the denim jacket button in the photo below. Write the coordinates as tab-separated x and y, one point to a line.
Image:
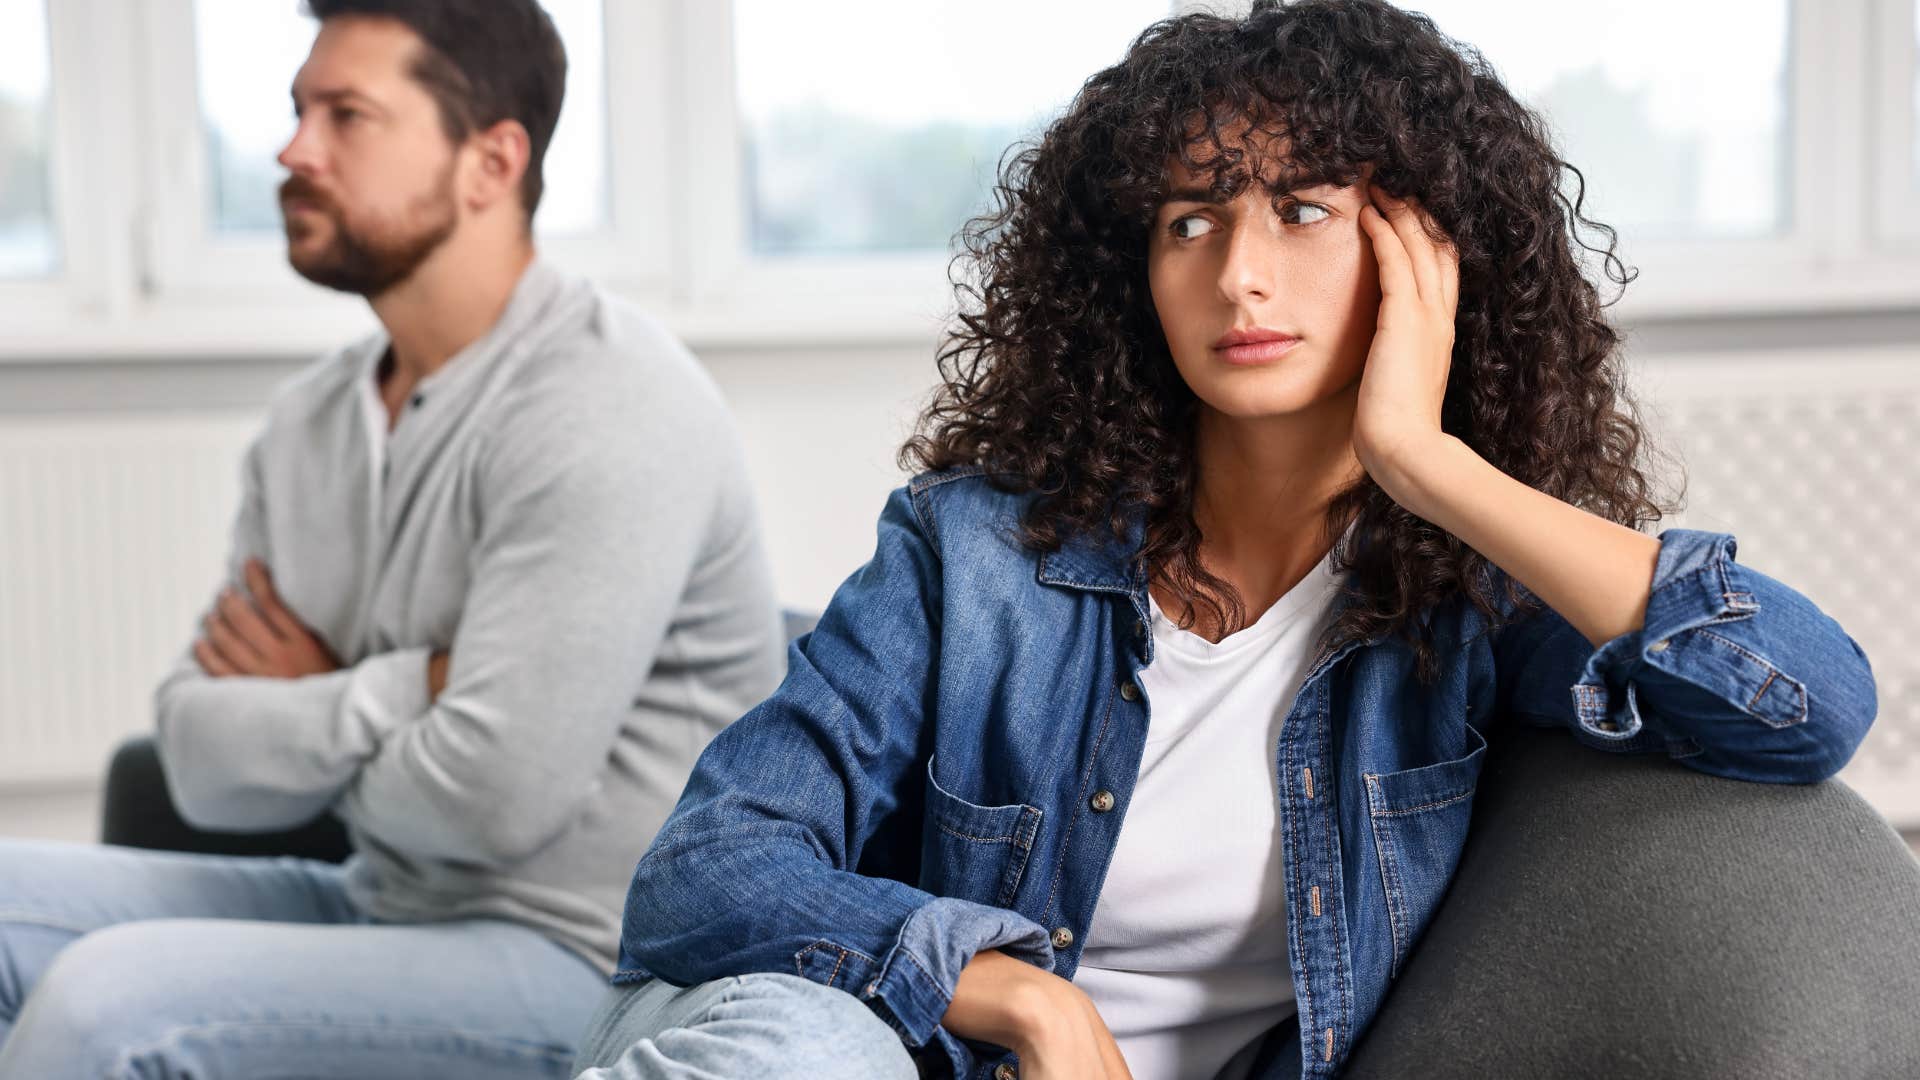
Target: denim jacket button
1130	691
1004	1072
1140	629
1658	646
1062	937
1102	801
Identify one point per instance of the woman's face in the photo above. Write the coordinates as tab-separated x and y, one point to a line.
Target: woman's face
1267	312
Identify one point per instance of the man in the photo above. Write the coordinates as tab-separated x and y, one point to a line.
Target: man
495	582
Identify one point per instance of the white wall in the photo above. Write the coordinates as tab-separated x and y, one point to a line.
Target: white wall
822	428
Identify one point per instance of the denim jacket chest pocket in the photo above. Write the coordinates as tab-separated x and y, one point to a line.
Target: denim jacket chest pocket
974	852
1414	813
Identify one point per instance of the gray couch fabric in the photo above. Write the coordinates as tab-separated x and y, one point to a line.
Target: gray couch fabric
1623	916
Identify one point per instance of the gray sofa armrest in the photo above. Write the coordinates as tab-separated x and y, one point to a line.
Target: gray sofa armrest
137	811
1626	916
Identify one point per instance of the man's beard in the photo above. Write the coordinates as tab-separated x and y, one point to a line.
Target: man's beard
369	262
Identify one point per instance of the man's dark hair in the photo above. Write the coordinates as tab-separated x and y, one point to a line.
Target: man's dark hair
485	61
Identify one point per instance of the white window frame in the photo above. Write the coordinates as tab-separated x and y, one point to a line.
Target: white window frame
1896	178
90	166
140	276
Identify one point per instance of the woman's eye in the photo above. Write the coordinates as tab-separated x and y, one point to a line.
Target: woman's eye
1191	227
1304	213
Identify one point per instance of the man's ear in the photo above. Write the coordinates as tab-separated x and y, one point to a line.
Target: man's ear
500	157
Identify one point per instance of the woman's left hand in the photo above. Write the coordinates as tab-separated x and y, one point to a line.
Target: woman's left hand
1405	378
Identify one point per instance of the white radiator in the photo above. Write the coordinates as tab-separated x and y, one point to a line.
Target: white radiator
113	529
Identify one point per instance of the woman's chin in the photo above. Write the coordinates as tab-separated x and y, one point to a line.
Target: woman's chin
1255	403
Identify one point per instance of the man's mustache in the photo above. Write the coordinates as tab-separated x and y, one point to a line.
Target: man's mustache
299	187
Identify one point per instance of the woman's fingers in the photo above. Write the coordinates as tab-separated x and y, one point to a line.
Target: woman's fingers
1396	268
1110	1056
1435	263
1400	214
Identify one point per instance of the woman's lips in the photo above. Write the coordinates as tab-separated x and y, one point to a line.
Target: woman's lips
1256	352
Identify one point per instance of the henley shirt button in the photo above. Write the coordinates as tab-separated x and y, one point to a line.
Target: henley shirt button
1102	801
1004	1072
419	400
1130	691
1658	646
1062	937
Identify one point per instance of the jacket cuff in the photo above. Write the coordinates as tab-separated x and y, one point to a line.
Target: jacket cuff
1693	585
916	978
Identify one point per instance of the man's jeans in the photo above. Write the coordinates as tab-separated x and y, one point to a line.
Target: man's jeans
133	964
763	1025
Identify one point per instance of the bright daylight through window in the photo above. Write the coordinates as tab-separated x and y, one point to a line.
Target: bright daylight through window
29	247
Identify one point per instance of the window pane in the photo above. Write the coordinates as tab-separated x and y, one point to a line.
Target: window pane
249	51
28	246
868	130
1675	112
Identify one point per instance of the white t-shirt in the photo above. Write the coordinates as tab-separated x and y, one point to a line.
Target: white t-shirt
1186	958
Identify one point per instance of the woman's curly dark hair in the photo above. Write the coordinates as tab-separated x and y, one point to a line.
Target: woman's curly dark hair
1058	379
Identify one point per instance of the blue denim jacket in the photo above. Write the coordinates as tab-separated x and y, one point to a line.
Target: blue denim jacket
946	767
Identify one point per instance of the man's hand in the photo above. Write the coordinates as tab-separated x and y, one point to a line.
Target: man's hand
1045	1019
437	673
259	636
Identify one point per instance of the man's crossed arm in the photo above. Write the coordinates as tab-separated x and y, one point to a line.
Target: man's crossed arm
258	635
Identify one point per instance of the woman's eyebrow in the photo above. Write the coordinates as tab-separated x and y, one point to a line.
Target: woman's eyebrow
1193	194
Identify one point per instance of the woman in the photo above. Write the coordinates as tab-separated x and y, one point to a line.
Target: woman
1283	449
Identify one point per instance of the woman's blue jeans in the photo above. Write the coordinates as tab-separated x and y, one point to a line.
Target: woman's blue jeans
765	1025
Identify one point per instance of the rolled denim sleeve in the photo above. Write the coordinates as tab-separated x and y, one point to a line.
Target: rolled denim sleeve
1732	673
791	848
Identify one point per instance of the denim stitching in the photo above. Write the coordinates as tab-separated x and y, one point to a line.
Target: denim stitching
951	831
928	480
924	518
1299	938
1016	868
1795	687
915	961
1448	800
1079	801
1344	993
800	958
1389	879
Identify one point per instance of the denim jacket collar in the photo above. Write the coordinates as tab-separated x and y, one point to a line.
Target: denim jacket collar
1099	561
